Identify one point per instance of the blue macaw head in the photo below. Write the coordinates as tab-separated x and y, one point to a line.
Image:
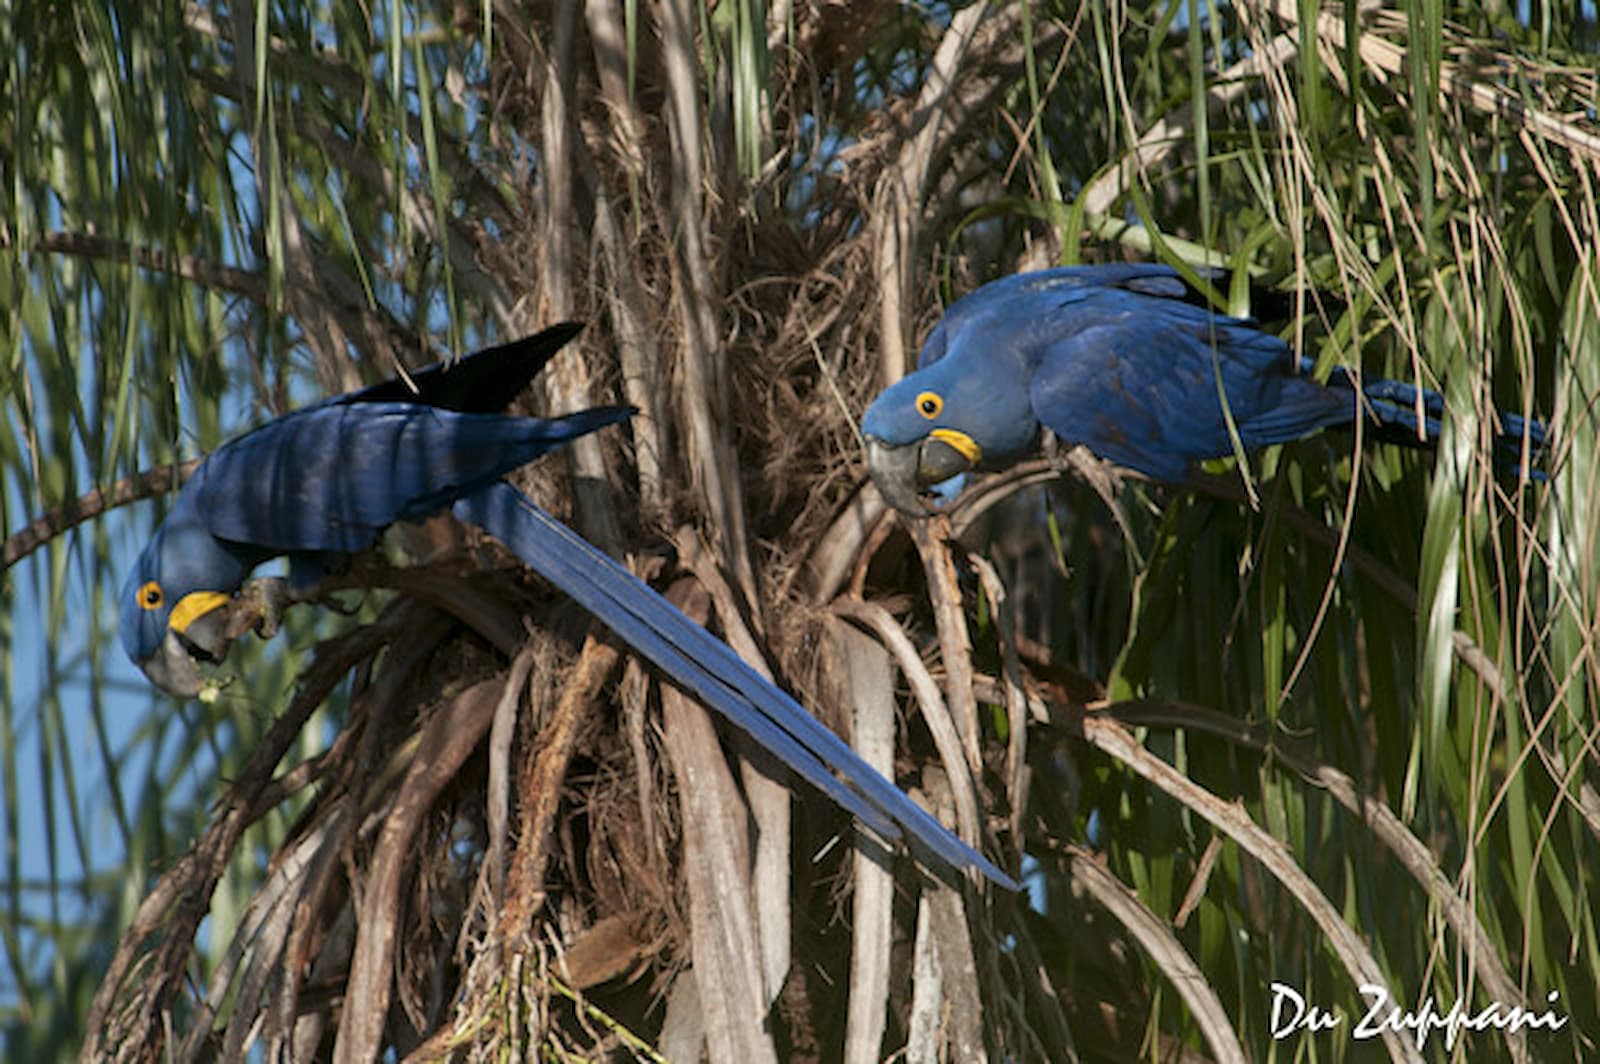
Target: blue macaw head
171	623
954	415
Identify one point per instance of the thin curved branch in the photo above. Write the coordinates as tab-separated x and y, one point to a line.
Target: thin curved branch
934	711
901	189
1412	853
703	393
448	738
839	548
189	267
1110	737
994	489
497	794
1163	948
1016	699
181	899
723	932
868	684
91	504
769	799
1484	96
955	644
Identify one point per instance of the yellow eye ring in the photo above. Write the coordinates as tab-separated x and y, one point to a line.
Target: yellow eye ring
150	595
930	404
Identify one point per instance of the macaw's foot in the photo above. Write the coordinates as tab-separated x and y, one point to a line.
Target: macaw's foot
259	607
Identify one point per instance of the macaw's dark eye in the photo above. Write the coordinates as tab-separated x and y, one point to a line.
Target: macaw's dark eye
150	596
929	404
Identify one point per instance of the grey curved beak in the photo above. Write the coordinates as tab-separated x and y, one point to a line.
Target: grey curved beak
894	471
903	473
174	669
180	663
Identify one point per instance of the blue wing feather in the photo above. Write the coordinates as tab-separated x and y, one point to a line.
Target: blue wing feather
1029	300
331	478
1138	380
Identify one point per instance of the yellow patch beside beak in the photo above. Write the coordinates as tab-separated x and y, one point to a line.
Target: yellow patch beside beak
192	606
960	442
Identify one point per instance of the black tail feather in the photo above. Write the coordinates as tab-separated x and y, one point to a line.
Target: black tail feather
484	382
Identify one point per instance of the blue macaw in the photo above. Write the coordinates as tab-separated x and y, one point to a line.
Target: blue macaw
1114	357
324	481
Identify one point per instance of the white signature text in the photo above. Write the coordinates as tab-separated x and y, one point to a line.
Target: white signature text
1291	1013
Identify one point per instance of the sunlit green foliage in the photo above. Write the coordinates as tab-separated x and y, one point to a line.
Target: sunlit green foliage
212	214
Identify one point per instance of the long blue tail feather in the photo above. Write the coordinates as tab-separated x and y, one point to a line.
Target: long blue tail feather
709	668
1394	403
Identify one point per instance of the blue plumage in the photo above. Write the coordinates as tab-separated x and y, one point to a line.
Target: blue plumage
332	478
1111	357
704	665
327	479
